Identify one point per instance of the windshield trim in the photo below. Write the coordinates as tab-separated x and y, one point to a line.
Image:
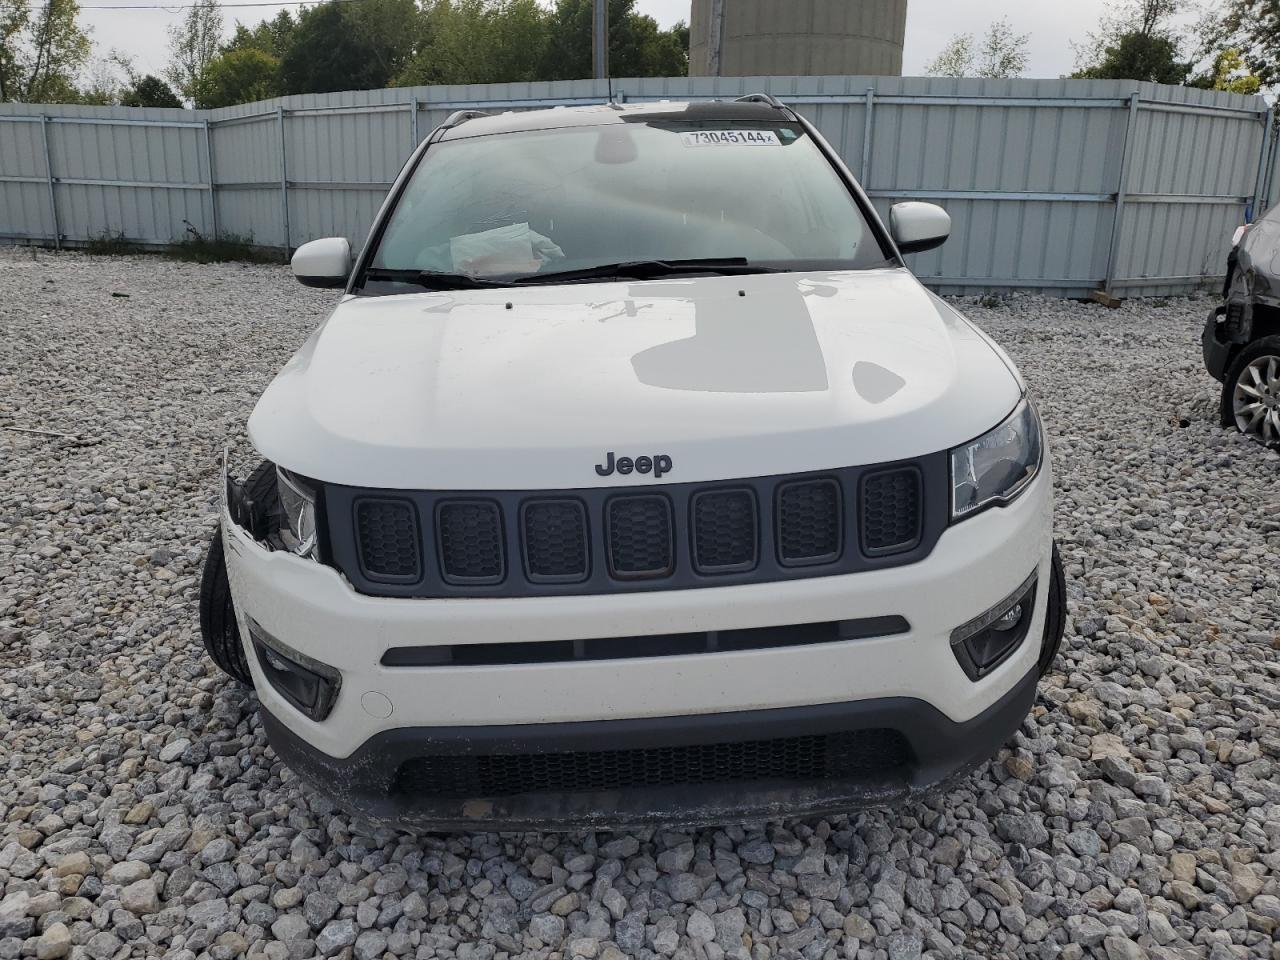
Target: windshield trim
359	279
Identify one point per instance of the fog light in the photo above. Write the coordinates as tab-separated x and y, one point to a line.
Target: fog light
986	641
307	684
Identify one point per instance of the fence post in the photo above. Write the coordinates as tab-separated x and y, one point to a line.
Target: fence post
413	123
213	185
864	175
1260	182
1121	189
284	180
48	175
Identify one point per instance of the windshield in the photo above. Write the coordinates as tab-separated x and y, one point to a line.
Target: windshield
545	202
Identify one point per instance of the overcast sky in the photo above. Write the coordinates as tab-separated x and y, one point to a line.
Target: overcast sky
141	35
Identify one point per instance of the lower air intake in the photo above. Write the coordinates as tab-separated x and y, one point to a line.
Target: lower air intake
863	754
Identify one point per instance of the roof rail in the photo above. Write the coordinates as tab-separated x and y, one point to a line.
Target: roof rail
459	117
768	98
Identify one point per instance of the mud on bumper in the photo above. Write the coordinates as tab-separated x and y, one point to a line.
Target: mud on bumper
676	771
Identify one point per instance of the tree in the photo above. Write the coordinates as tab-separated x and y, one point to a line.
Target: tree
1228	72
480	41
1139	56
638	47
41	51
192	44
239	76
150	91
270	36
1251	27
1001	54
1136	40
349	46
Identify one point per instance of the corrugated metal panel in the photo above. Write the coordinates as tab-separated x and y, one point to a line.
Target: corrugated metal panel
1028	169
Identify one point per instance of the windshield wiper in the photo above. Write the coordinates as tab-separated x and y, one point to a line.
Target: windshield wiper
434	279
649	269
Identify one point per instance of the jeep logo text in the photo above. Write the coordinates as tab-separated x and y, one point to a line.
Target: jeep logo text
658	464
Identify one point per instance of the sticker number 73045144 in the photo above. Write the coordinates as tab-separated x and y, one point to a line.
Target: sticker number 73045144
715	138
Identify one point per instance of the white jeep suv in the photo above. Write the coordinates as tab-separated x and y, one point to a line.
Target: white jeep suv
634	479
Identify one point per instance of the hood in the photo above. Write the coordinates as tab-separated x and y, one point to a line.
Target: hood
531	388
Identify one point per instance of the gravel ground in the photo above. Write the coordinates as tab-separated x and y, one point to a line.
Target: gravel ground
1137	813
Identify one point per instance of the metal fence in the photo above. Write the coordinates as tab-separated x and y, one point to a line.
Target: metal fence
1057	186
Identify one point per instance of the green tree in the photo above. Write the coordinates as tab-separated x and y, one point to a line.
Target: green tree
192	44
1139	56
479	41
1001	54
271	36
1228	72
1253	28
239	76
638	47
1136	40
41	50
150	91
349	46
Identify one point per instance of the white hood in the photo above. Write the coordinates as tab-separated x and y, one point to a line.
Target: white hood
530	388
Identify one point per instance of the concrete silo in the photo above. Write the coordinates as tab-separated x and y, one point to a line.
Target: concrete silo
796	37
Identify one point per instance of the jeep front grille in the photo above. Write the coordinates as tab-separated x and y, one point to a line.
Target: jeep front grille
648	537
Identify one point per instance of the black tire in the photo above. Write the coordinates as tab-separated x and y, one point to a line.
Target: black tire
218	627
1055	619
1267	346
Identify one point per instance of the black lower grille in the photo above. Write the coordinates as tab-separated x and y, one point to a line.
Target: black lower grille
388	531
470	539
891	520
809	524
640	537
861	754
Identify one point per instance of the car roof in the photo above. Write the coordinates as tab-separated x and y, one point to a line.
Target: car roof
467	124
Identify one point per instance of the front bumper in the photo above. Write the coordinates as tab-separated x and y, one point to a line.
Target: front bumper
1217	351
370	780
911	681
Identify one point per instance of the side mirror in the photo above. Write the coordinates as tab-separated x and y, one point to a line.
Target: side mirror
323	263
918	226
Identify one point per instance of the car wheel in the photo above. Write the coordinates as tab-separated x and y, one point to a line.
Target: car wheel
218	627
1055	618
1251	392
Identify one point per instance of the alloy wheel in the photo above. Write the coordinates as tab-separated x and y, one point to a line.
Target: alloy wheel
1256	399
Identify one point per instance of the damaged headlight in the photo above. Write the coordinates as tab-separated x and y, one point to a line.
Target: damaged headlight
997	466
298	513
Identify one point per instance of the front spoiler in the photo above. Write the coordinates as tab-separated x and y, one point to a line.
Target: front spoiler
943	751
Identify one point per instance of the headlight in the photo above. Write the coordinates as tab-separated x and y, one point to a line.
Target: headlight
298	514
997	466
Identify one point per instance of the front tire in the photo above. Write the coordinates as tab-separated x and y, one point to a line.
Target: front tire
1251	392
1055	618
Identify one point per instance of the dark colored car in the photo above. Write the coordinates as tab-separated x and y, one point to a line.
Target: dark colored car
1242	335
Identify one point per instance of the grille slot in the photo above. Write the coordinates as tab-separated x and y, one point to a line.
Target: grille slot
555	541
809	522
891	514
387	532
470	541
724	531
640	537
647	647
863	754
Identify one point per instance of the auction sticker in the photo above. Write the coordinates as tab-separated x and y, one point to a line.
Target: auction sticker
742	138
